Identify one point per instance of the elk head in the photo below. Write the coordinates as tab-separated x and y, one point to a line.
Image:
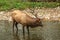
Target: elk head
38	21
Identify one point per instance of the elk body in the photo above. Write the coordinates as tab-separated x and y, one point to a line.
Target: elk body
25	20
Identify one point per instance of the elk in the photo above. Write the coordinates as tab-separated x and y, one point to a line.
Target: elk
24	19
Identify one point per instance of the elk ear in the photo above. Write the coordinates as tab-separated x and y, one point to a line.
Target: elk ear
37	20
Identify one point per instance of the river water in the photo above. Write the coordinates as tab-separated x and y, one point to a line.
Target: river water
49	31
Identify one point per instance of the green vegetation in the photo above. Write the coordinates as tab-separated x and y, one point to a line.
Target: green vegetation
16	4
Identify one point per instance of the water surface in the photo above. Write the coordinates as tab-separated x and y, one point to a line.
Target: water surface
49	31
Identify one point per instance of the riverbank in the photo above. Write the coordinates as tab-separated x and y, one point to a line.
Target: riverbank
46	14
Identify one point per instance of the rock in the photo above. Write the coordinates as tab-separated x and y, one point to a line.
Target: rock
44	13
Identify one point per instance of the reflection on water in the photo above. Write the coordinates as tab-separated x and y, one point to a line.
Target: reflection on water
50	31
16	36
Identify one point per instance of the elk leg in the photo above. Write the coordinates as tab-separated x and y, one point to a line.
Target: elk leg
28	29
13	25
16	26
23	31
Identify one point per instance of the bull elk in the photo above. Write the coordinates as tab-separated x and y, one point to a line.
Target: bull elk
24	19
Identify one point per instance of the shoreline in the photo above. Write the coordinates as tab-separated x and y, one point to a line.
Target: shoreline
49	14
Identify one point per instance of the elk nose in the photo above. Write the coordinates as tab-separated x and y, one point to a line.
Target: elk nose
41	25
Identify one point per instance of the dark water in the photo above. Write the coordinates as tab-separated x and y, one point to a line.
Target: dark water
50	31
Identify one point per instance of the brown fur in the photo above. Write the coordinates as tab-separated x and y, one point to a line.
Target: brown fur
25	20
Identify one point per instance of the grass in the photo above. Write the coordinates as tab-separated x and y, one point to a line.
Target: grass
16	4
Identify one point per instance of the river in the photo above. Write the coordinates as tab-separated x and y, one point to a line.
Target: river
49	31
